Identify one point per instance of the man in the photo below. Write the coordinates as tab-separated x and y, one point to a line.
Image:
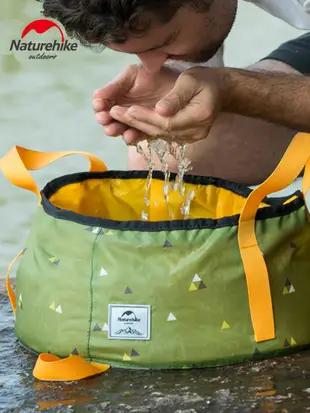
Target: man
160	32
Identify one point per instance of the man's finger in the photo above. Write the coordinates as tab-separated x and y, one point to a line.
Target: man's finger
167	124
100	105
180	128
184	90
192	114
132	136
115	129
121	114
147	115
103	118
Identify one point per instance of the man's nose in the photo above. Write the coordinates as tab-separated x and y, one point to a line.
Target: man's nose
152	61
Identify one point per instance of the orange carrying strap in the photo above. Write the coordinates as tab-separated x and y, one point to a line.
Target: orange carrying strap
9	287
15	165
294	160
306	183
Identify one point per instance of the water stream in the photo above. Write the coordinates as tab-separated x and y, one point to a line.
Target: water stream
162	149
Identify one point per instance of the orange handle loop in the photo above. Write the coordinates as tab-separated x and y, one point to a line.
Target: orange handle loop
260	301
306	179
15	166
18	161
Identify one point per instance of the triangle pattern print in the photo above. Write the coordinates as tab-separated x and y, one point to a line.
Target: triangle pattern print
56	308
196	284
288	288
167	244
225	325
96	327
20	302
103	272
54	260
134	353
171	317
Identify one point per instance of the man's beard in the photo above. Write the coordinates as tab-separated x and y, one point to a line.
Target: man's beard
196	58
204	55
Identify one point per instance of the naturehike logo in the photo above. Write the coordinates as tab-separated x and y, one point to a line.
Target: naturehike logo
128	317
129	322
129	330
41	26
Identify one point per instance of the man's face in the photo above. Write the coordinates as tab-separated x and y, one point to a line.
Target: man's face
189	36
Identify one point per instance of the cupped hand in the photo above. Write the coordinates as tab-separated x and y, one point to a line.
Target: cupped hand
185	114
133	86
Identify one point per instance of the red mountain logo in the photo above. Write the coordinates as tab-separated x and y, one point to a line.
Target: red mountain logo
41	26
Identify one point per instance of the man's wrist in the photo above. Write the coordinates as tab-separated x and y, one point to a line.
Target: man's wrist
224	80
257	94
238	85
279	98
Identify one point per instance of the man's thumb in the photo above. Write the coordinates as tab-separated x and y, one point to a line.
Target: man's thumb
178	98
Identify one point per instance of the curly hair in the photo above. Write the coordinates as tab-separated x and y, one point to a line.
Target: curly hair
99	22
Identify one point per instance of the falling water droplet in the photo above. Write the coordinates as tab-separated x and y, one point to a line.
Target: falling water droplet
163	149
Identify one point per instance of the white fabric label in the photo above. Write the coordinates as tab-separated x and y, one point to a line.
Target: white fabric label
129	322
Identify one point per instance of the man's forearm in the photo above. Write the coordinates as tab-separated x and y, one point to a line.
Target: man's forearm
278	98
